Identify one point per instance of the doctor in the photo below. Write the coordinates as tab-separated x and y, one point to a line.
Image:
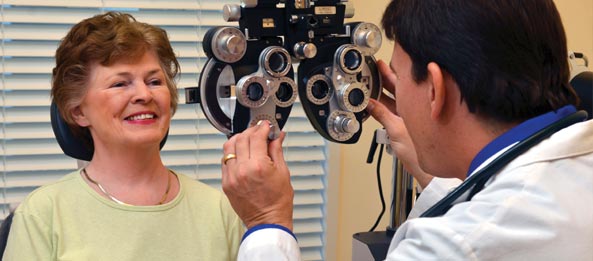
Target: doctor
472	79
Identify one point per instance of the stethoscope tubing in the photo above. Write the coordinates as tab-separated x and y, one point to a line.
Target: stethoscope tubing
476	181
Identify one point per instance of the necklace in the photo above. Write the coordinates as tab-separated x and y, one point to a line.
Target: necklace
121	202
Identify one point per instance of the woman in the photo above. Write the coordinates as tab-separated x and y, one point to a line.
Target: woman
114	79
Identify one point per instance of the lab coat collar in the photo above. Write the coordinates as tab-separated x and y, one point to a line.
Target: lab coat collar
518	133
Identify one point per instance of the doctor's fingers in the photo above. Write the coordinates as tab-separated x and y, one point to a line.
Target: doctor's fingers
228	149
392	123
389	103
236	154
276	152
388	77
259	143
243	143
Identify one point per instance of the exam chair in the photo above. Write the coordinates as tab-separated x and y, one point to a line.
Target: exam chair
582	81
4	229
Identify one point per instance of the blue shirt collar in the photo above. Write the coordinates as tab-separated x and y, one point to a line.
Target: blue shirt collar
519	133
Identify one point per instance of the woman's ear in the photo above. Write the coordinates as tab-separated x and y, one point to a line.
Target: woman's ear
437	90
79	117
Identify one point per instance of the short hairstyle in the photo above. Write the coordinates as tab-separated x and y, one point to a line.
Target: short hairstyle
106	39
508	57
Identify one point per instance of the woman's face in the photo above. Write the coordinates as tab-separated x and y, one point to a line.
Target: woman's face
127	104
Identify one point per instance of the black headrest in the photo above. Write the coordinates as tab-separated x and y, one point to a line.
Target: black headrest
74	146
583	85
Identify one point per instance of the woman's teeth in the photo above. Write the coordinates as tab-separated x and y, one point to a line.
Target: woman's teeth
141	117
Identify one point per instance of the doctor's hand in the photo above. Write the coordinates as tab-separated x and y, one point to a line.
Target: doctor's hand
257	181
401	143
388	78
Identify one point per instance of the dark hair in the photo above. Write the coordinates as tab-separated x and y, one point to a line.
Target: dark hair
106	39
508	57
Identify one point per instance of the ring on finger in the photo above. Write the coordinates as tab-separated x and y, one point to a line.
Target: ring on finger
228	157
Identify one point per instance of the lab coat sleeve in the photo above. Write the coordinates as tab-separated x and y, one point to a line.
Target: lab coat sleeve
429	239
269	242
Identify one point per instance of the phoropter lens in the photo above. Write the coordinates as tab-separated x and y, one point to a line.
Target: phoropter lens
352	59
356	97
284	92
255	91
320	89
278	62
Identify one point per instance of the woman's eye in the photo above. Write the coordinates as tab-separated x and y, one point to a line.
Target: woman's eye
119	84
155	82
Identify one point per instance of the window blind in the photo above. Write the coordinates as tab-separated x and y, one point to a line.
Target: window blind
31	31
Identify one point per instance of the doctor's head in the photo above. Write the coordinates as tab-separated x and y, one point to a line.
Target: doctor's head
502	61
508	57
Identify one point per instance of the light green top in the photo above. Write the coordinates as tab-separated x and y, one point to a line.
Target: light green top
68	220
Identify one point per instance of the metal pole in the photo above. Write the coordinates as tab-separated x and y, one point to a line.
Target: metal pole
403	195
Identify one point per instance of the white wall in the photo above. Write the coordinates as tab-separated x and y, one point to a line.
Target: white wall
353	201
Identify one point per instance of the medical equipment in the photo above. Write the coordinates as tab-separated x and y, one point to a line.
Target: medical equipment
581	80
249	75
373	245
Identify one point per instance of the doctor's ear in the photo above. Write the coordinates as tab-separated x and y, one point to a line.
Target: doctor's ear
79	117
437	91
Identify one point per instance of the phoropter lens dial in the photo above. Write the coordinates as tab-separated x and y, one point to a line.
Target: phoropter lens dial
252	91
286	93
276	61
319	89
349	59
354	97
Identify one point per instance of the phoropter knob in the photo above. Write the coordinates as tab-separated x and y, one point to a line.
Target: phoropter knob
304	50
344	124
231	12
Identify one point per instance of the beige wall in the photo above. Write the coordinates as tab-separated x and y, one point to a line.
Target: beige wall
353	201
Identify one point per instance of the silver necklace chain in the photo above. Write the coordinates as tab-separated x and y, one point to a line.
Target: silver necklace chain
163	199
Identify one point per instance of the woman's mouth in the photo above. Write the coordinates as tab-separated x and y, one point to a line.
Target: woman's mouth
144	116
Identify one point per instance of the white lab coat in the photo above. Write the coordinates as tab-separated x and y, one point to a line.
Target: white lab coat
539	207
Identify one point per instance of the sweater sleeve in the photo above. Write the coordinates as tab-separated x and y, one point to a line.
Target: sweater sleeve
30	238
234	228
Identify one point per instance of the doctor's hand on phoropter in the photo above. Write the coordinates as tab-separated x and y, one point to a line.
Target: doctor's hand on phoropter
256	179
384	111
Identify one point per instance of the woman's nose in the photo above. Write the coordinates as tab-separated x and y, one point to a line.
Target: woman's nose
142	94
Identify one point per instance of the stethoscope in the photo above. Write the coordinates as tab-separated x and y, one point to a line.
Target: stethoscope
475	183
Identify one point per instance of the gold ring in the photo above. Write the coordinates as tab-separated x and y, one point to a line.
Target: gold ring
228	157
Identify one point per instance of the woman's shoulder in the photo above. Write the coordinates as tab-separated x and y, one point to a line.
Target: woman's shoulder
196	187
56	186
204	196
48	194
